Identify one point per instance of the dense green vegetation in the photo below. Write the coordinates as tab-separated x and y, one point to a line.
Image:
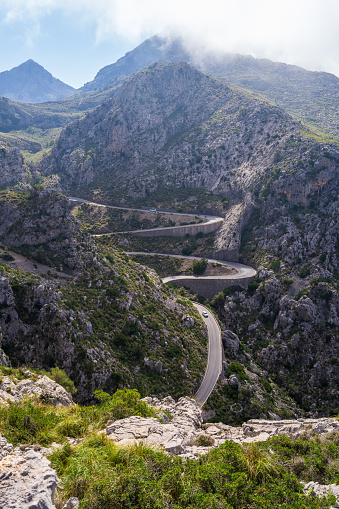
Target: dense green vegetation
104	475
199	267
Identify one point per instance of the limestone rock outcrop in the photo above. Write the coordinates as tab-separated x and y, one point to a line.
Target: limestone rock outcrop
42	387
5	447
27	481
173	436
184	427
41	220
322	490
12	167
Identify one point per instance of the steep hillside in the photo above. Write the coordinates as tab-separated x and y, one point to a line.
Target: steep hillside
108	322
171	127
288	319
112	324
312	97
167	128
31	83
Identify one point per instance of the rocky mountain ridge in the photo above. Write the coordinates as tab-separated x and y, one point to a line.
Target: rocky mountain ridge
294	89
188	117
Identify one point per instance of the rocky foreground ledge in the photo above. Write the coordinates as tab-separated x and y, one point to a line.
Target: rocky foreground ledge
27	480
42	387
183	433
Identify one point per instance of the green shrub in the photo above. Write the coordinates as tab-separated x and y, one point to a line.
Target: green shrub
287	281
230	290
103	475
187	250
204	441
275	265
26	423
304	271
252	288
301	293
124	403
266	385
199	267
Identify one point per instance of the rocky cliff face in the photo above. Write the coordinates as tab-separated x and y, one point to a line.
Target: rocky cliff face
12	167
12	116
288	318
40	223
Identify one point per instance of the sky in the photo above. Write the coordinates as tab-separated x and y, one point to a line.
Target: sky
74	39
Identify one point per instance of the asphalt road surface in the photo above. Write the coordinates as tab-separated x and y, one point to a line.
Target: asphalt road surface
214	362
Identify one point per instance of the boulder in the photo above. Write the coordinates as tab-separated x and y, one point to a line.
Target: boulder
188	321
27	481
230	340
233	381
5	447
72	503
322	490
173	436
43	387
154	365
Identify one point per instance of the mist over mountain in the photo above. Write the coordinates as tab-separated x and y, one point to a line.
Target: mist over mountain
31	83
312	97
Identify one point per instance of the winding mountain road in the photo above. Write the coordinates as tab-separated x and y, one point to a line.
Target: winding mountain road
242	271
213	221
214	361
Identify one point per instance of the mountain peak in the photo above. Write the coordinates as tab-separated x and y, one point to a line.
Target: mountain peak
30	82
31	63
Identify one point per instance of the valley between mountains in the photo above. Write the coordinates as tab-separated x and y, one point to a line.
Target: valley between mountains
131	205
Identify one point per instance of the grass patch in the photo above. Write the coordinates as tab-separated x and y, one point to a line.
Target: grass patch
32	421
102	474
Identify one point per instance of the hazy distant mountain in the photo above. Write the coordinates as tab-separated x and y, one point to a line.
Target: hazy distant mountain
312	97
31	83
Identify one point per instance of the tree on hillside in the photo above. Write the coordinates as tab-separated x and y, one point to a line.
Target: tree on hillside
199	267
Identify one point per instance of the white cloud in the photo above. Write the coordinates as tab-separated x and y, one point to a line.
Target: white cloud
304	32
